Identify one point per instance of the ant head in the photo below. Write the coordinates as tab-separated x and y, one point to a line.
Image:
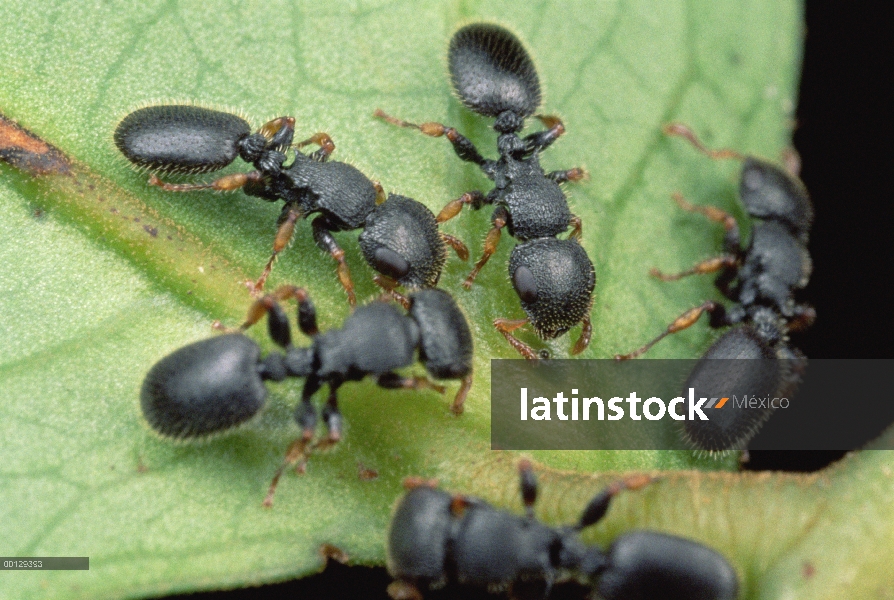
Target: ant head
493	75
554	280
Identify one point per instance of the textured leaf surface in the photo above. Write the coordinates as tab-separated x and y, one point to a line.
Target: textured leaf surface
102	276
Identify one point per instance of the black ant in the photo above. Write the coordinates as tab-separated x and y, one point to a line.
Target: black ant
760	280
216	384
401	238
437	537
494	76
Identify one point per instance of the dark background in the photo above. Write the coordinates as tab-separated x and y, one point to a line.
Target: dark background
844	137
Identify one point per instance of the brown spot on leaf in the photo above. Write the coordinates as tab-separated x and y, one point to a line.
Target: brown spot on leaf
24	150
366	474
808	570
153	231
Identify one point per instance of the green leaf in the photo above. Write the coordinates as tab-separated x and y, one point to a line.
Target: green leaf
102	276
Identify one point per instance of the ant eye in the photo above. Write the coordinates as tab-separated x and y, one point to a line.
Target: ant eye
390	263
525	285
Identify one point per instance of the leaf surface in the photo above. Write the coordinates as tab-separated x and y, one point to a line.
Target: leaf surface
102	276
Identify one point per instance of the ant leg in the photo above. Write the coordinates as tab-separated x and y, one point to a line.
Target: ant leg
712	213
332	416
227	183
711	265
307	313
528	486
400	299
576	228
403	590
803	318
462	251
684	321
464	148
327	146
684	131
278	132
575	174
269	305
286	228
412	482
392	294
307	317
506	327
393	381
380	192
277	322
305	413
323	238
474	199
791	160
386	283
266	148
296	454
544	139
586	335
598	506
727	284
499	219
389	285
459	401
